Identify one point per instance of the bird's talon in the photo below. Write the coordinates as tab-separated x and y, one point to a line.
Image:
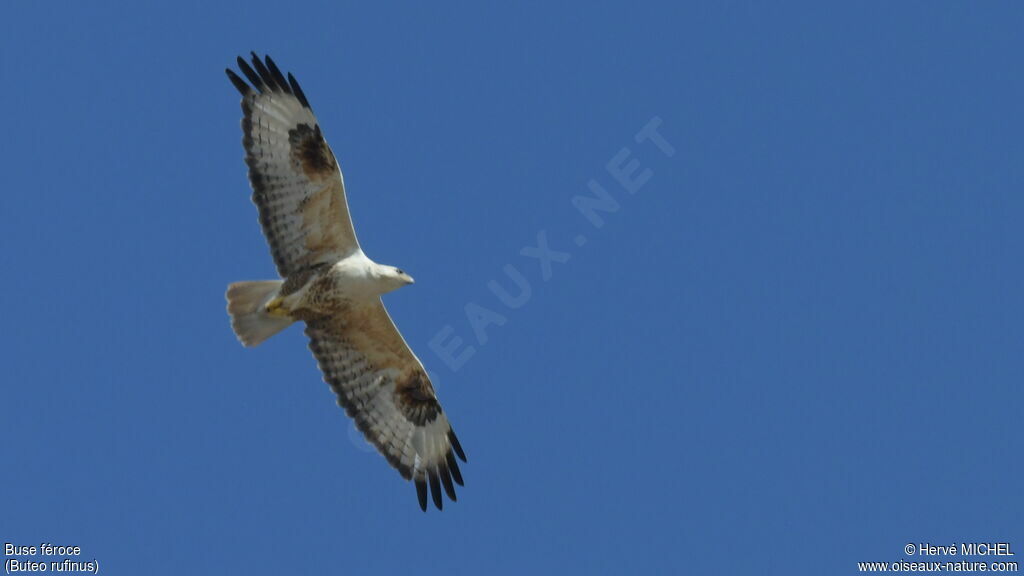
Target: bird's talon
275	307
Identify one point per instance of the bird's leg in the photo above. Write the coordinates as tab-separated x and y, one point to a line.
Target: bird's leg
276	307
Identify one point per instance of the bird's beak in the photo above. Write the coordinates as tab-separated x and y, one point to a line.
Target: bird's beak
410	280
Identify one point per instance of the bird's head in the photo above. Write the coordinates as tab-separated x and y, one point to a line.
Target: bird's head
393	278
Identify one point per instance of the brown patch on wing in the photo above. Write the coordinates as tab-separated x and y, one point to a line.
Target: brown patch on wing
415	397
320	208
371	330
311	152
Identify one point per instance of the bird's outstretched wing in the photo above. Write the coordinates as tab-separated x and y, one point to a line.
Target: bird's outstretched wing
295	178
382	385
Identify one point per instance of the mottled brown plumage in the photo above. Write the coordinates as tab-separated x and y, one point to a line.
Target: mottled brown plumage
311	152
328	283
415	397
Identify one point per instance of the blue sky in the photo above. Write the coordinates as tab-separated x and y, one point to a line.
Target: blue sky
797	346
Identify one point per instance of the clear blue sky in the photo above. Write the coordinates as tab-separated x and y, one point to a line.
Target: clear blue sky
798	345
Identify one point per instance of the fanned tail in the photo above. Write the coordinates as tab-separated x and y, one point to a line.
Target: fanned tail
247	306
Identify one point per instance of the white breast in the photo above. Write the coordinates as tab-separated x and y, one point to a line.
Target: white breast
355	277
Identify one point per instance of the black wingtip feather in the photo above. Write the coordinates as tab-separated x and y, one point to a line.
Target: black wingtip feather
446	481
297	90
435	490
421	493
278	77
268	79
453	467
253	77
456	446
240	84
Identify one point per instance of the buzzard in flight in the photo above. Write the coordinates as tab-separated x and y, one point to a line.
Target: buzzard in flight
328	283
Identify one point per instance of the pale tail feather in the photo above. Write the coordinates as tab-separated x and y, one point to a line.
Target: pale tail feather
249	319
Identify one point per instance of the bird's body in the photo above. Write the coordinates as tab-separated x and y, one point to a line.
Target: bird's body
328	283
330	289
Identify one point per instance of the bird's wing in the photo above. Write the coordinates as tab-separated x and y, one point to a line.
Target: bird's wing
295	178
382	385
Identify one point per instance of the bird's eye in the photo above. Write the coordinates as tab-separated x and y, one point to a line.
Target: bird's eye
399	270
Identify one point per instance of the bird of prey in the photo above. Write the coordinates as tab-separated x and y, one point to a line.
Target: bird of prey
328	282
